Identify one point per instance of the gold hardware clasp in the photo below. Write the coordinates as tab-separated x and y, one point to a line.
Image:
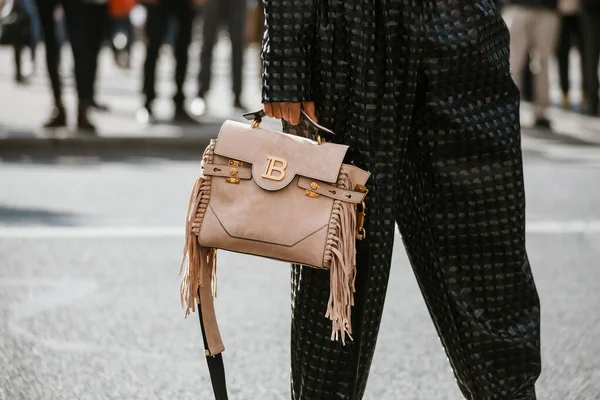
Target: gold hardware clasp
233	172
234	181
272	166
314	185
312	194
362	189
235	163
361	233
255	124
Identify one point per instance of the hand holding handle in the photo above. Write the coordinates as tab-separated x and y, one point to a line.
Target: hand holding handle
257	117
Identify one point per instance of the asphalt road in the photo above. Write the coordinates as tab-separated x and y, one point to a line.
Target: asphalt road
89	305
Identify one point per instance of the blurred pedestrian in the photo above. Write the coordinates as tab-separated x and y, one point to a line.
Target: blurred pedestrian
590	18
422	93
533	27
15	22
234	11
75	24
158	14
570	36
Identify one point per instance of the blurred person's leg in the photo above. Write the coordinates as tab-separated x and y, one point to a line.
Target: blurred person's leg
76	22
211	22
121	37
185	18
46	9
518	20
568	28
61	25
18	49
591	32
29	5
156	24
237	29
96	25
545	32
527	80
580	44
129	32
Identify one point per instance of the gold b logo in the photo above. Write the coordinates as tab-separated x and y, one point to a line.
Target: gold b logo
273	166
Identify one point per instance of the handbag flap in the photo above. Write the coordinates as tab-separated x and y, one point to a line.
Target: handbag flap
276	157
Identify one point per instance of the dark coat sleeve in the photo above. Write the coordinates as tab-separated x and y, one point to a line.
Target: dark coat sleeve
287	50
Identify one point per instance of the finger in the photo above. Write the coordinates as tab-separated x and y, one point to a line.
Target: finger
295	113
285	111
268	108
277	110
309	109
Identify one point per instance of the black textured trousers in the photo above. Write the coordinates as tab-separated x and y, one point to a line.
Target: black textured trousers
234	12
156	27
77	37
424	97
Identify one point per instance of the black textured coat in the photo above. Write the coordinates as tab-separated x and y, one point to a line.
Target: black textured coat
551	4
421	91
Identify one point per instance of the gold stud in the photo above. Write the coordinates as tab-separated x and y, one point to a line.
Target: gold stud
314	185
233	171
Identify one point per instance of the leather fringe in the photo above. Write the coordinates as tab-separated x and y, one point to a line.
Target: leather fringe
195	257
340	256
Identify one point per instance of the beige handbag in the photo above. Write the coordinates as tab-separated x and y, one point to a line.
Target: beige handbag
279	196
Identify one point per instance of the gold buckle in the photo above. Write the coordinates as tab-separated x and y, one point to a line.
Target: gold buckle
235	163
234	181
312	194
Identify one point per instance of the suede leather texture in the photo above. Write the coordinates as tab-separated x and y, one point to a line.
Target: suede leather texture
274	219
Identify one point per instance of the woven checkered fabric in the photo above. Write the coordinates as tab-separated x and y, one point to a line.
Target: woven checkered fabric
421	91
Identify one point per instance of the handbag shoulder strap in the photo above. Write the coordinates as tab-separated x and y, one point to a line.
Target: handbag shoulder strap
215	366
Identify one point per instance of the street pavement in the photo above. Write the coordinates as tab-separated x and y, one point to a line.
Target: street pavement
90	250
89	307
